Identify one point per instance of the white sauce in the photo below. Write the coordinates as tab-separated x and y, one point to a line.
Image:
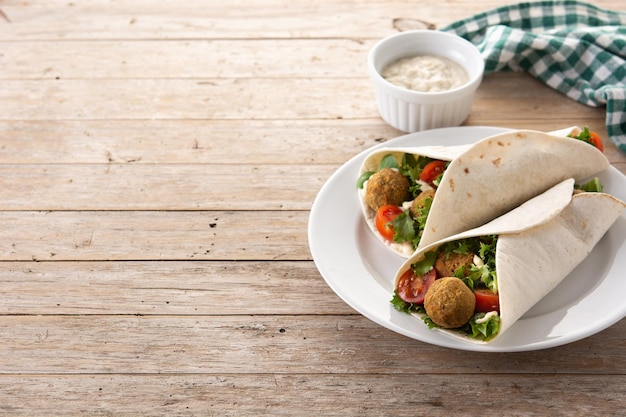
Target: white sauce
425	73
404	248
487	317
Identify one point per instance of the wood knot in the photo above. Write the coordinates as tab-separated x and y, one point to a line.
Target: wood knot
402	24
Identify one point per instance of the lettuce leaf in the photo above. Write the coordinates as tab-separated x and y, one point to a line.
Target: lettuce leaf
363	178
404	228
485	248
426	264
388	161
592	186
412	168
409	229
485	330
404	307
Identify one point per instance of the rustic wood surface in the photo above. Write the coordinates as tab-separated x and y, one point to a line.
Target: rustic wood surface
158	161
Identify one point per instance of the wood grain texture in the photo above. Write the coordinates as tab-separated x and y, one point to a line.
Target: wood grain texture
194	58
322	394
248	19
158	164
223	142
154	235
249	343
170	187
218	142
162	288
248	98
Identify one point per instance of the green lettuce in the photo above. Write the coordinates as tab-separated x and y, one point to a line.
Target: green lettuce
486	330
592	186
410	229
404	307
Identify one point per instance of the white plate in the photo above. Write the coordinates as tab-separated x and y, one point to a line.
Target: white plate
360	269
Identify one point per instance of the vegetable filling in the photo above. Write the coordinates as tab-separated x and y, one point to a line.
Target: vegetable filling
401	195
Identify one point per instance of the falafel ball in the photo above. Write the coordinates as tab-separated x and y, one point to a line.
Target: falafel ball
387	186
418	203
449	302
448	263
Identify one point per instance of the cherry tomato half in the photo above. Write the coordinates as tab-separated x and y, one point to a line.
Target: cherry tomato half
384	216
596	140
486	301
431	171
412	288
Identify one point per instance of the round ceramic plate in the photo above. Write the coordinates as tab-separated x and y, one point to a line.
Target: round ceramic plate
360	269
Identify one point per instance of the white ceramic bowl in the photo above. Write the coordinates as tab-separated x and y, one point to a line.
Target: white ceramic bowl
412	111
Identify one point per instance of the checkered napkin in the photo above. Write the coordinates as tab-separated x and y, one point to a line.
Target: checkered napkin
575	48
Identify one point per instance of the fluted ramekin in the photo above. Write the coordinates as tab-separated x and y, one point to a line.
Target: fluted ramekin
412	111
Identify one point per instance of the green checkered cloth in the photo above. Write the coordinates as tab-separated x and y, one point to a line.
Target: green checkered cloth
576	48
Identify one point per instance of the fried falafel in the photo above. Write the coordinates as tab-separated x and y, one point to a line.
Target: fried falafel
448	263
387	186
418	203
449	302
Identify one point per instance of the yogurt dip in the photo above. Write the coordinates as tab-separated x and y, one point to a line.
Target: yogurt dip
426	73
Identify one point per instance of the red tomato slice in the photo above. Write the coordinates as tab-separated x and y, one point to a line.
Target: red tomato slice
412	288
597	141
431	171
384	215
486	301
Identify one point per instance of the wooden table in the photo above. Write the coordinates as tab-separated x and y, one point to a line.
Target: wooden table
158	163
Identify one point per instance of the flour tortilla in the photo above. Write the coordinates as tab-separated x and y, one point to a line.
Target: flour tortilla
371	163
539	244
490	177
501	172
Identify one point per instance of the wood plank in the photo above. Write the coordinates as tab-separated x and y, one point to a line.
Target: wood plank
145	19
221	141
149	99
249	98
154	235
530	97
251	344
139	275
206	141
233	20
324	395
43	187
166	288
166	187
179	59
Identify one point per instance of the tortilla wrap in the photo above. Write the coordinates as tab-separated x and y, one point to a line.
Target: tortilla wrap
501	172
491	177
539	244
